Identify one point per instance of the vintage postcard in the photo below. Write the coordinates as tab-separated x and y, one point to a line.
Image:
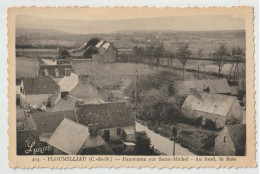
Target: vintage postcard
131	87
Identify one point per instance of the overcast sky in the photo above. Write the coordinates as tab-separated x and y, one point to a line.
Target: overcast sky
86	25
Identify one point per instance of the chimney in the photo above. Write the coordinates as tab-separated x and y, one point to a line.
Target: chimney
93	129
192	90
38	68
76	110
195	93
67	71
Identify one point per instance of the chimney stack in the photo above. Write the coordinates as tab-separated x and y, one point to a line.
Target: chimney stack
67	72
195	93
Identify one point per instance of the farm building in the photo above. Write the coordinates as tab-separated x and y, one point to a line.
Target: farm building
218	86
56	71
39	90
106	52
73	138
214	108
231	141
115	121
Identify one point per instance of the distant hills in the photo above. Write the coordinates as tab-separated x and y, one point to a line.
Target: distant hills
194	23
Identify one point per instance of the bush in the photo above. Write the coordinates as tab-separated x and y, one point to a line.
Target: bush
63	53
143	143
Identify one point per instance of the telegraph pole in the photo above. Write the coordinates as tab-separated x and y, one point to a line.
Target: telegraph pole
136	93
173	152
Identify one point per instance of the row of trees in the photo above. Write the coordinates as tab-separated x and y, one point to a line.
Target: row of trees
155	50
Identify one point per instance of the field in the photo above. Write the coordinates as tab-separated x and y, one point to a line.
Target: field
172	40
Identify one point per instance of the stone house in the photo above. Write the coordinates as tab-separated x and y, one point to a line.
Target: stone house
231	141
214	107
115	121
72	138
106	53
39	90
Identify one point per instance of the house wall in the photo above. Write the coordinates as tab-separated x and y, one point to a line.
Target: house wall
122	136
224	148
113	133
34	99
193	114
106	57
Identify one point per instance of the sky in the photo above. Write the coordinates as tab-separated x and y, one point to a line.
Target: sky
88	25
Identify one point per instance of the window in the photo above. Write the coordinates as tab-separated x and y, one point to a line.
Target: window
118	131
225	139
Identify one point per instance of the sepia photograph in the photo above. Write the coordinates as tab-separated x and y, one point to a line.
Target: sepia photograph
131	86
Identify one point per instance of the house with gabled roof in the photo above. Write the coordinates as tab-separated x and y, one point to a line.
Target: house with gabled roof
73	138
231	141
36	91
45	123
115	121
106	52
99	44
215	86
216	108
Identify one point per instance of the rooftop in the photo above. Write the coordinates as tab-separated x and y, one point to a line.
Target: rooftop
237	133
40	85
47	122
210	103
107	115
69	137
218	86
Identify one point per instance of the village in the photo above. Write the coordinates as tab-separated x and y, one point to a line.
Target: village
104	99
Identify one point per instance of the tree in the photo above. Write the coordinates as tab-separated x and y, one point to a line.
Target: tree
183	53
138	52
236	52
89	51
220	56
63	53
143	142
200	52
93	42
158	51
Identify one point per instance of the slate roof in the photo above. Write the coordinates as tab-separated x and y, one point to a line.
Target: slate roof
237	133
210	103
65	103
99	44
67	83
46	122
40	85
218	86
69	137
84	90
107	115
106	46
